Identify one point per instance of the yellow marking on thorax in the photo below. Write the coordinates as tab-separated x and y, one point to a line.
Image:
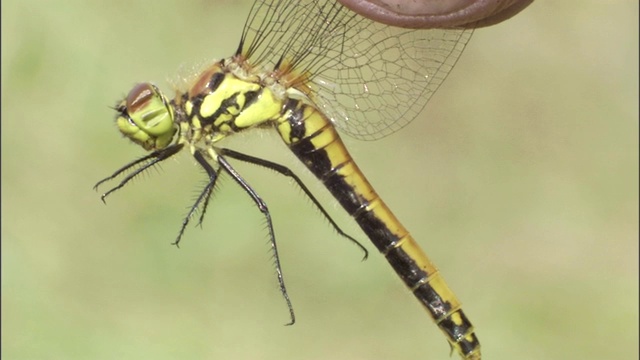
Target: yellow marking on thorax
265	108
229	86
188	108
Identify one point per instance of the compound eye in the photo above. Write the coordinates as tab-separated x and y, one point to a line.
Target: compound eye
146	117
139	97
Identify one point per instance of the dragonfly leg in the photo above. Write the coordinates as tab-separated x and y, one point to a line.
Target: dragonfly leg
205	194
262	206
146	161
283	170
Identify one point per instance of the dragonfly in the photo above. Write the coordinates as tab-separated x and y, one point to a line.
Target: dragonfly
309	70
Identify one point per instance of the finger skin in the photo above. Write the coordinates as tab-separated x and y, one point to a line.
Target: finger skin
426	14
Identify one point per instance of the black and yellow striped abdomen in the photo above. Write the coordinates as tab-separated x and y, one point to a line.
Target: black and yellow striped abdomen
314	140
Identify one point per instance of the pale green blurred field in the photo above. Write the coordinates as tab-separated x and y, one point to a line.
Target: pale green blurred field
520	180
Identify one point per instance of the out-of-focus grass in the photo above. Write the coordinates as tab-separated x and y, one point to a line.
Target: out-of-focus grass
520	180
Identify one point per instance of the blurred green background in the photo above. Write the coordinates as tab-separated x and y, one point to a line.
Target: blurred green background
520	181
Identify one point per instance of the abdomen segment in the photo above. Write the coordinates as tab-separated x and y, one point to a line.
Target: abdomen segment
314	140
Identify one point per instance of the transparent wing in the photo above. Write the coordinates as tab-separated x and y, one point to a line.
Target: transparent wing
370	79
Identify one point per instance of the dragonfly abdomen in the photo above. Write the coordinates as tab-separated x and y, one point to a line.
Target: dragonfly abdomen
314	140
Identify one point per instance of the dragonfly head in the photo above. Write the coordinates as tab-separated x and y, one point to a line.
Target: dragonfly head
146	117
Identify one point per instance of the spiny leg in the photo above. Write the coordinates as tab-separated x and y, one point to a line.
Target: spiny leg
283	170
205	205
149	161
205	194
262	206
207	197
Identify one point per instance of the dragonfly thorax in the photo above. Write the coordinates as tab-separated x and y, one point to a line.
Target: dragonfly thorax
223	100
